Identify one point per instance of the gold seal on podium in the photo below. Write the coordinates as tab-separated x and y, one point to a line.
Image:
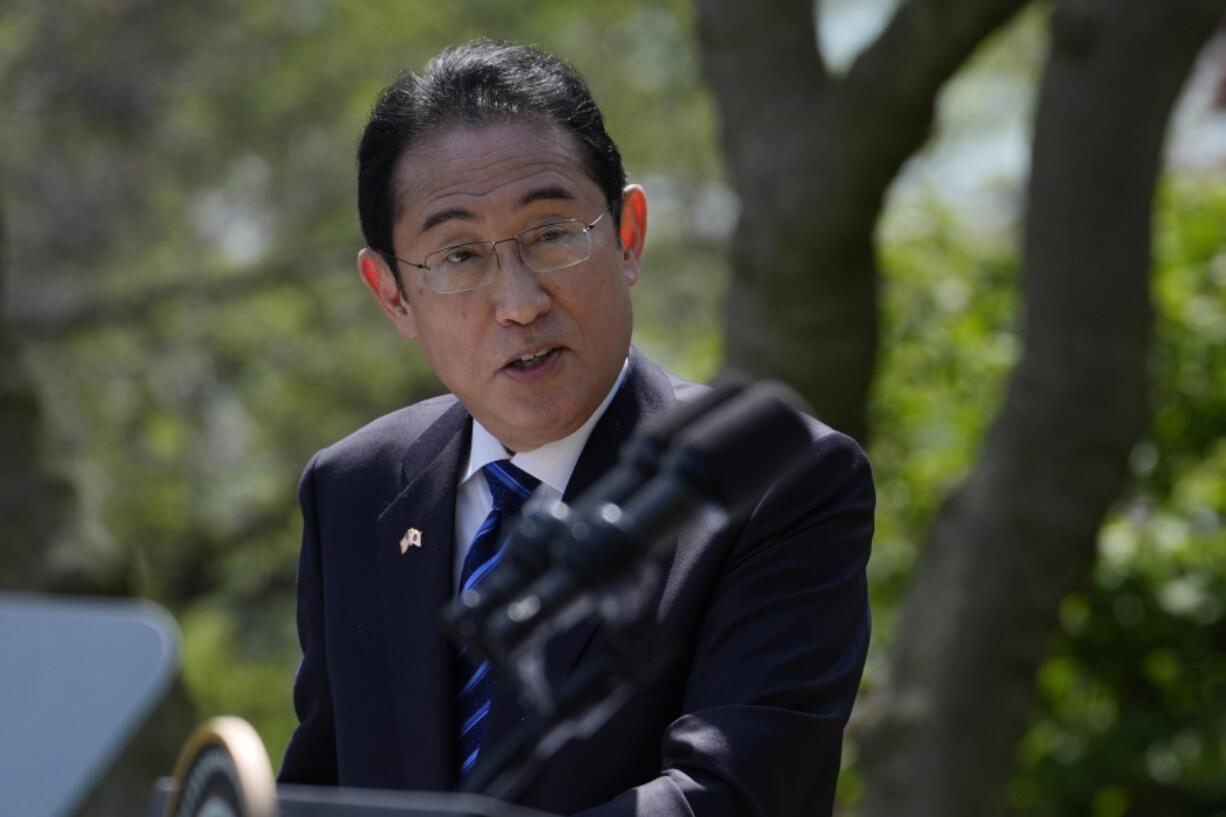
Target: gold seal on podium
223	771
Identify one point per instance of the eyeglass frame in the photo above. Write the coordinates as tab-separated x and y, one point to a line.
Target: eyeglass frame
588	226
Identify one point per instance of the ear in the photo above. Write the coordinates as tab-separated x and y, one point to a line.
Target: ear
381	281
633	230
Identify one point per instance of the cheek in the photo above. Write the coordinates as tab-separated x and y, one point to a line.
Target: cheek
450	342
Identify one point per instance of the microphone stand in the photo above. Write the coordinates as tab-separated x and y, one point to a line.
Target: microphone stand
586	700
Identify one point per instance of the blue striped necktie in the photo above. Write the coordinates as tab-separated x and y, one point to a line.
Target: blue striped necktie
509	487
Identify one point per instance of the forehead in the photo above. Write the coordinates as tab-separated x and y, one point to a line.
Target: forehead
468	166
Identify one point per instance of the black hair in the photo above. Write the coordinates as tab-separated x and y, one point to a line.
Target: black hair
477	83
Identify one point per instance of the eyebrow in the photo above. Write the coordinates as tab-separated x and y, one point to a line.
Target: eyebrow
435	219
545	194
461	213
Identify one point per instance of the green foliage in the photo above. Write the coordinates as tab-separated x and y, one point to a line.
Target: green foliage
187	176
183	175
1131	695
1134	688
949	341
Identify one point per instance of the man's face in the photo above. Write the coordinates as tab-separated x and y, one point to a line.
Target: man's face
531	355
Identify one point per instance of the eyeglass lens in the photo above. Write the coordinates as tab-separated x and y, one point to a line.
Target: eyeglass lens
549	247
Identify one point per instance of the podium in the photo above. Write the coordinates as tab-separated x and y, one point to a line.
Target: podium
320	801
224	771
78	676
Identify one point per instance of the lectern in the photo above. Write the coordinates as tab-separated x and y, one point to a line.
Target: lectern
224	771
315	801
78	676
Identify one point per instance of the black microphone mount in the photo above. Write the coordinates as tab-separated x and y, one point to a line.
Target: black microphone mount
714	458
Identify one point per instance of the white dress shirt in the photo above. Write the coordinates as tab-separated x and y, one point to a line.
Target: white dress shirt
552	464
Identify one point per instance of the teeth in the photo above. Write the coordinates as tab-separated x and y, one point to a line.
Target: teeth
525	361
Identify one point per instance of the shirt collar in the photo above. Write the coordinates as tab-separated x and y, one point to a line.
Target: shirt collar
553	462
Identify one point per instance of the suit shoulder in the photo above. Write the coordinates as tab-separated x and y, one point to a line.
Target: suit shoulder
834	452
837	472
833	440
385	440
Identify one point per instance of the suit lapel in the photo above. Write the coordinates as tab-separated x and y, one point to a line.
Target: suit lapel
646	391
414	585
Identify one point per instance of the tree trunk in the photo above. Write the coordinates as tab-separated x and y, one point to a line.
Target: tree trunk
1020	534
811	157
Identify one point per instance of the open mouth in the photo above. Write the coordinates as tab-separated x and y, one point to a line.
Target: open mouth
533	360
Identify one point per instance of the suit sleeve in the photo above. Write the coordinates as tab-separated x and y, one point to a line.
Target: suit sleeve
778	658
311	754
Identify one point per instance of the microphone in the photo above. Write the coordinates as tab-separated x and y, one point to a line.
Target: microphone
724	461
640	456
526	548
721	459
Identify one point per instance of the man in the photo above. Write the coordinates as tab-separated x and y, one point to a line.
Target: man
502	237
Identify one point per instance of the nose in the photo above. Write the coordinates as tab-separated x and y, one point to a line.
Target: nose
519	297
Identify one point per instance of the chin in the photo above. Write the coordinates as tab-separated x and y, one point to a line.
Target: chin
540	431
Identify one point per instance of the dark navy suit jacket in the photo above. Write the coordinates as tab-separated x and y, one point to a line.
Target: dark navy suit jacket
770	614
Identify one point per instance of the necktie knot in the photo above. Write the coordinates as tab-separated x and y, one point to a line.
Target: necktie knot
509	485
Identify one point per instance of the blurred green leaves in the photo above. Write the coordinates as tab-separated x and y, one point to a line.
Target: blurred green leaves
1134	690
179	201
182	264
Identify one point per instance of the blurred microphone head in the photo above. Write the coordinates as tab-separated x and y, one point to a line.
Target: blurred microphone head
640	456
736	451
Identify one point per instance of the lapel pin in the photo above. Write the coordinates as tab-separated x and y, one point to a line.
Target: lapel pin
411	539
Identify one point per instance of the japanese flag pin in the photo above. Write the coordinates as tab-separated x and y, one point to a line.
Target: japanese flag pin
411	539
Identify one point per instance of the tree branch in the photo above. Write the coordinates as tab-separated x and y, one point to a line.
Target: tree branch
811	158
1020	534
891	89
763	64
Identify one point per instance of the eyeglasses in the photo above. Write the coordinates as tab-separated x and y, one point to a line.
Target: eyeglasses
548	247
